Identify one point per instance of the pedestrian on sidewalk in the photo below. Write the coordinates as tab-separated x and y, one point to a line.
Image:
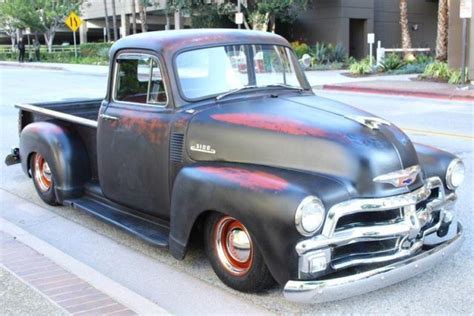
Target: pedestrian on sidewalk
37	47
21	49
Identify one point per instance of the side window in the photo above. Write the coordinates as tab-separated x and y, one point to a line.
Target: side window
138	80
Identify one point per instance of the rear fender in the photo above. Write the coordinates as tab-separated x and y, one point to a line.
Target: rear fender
63	150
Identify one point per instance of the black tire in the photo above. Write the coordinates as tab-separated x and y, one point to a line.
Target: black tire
45	190
254	277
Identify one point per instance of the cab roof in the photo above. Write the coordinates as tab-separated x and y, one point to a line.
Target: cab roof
169	42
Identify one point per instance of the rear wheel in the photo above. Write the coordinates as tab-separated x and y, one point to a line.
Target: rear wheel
43	179
234	255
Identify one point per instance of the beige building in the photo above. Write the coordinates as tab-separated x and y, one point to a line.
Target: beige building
93	13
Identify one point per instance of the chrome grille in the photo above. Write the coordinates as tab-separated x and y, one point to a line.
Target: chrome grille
365	231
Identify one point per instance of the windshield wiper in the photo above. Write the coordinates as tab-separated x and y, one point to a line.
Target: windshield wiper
286	86
220	96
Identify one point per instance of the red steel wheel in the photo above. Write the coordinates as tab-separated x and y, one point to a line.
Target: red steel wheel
234	255
43	179
233	245
42	173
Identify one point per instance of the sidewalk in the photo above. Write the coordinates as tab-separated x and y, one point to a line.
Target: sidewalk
423	89
97	70
60	288
39	279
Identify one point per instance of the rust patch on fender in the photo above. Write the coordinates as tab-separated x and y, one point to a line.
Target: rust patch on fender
253	180
271	123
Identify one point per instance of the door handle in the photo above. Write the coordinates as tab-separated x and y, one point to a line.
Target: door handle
106	117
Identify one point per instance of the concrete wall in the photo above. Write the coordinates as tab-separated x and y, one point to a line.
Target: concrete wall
422	14
328	21
454	39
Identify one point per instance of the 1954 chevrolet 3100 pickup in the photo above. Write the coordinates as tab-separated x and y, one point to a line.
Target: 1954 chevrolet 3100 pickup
216	135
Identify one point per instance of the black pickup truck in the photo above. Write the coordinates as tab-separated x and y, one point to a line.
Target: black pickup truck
216	135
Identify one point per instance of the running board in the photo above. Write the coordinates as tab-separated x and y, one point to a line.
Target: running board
146	229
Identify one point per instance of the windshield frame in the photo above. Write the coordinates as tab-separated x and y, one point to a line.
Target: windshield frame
301	77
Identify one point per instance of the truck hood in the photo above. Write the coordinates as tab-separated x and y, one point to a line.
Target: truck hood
305	133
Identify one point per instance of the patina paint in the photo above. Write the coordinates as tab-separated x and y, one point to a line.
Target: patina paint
253	180
271	123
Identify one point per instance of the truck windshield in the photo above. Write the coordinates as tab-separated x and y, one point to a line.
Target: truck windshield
210	72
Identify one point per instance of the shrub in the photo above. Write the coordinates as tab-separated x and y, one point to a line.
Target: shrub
391	62
300	48
361	68
455	77
409	69
424	59
438	71
340	53
319	53
328	53
95	49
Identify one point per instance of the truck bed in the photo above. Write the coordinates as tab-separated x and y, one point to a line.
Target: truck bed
79	115
84	112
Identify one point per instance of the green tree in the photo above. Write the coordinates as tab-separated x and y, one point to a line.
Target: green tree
13	14
266	12
259	14
47	16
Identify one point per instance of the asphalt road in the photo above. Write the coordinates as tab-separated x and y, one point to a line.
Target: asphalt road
446	289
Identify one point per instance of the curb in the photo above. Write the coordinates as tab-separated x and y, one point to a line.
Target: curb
30	65
430	95
101	282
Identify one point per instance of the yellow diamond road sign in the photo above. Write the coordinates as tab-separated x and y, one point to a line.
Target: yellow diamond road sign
73	21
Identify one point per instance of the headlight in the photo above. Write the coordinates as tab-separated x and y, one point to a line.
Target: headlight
455	174
309	215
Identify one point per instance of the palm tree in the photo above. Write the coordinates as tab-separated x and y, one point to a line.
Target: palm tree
134	17
142	4
405	33
114	20
442	36
107	29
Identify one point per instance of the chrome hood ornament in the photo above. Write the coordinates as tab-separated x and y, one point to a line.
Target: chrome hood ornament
399	178
368	121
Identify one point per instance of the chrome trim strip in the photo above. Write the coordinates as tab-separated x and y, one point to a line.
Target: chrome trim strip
360	283
372	205
353	235
58	115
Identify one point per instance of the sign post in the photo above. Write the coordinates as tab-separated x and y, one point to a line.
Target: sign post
371	41
73	21
239	18
465	12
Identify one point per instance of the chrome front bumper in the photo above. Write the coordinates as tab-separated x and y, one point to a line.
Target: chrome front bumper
339	288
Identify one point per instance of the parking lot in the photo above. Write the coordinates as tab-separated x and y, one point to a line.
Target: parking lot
190	285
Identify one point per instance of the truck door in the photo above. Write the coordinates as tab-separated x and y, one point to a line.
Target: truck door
133	136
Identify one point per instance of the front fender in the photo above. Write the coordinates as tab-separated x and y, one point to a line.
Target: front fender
434	162
63	150
264	199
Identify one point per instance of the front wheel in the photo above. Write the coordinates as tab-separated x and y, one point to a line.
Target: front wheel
43	179
234	255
